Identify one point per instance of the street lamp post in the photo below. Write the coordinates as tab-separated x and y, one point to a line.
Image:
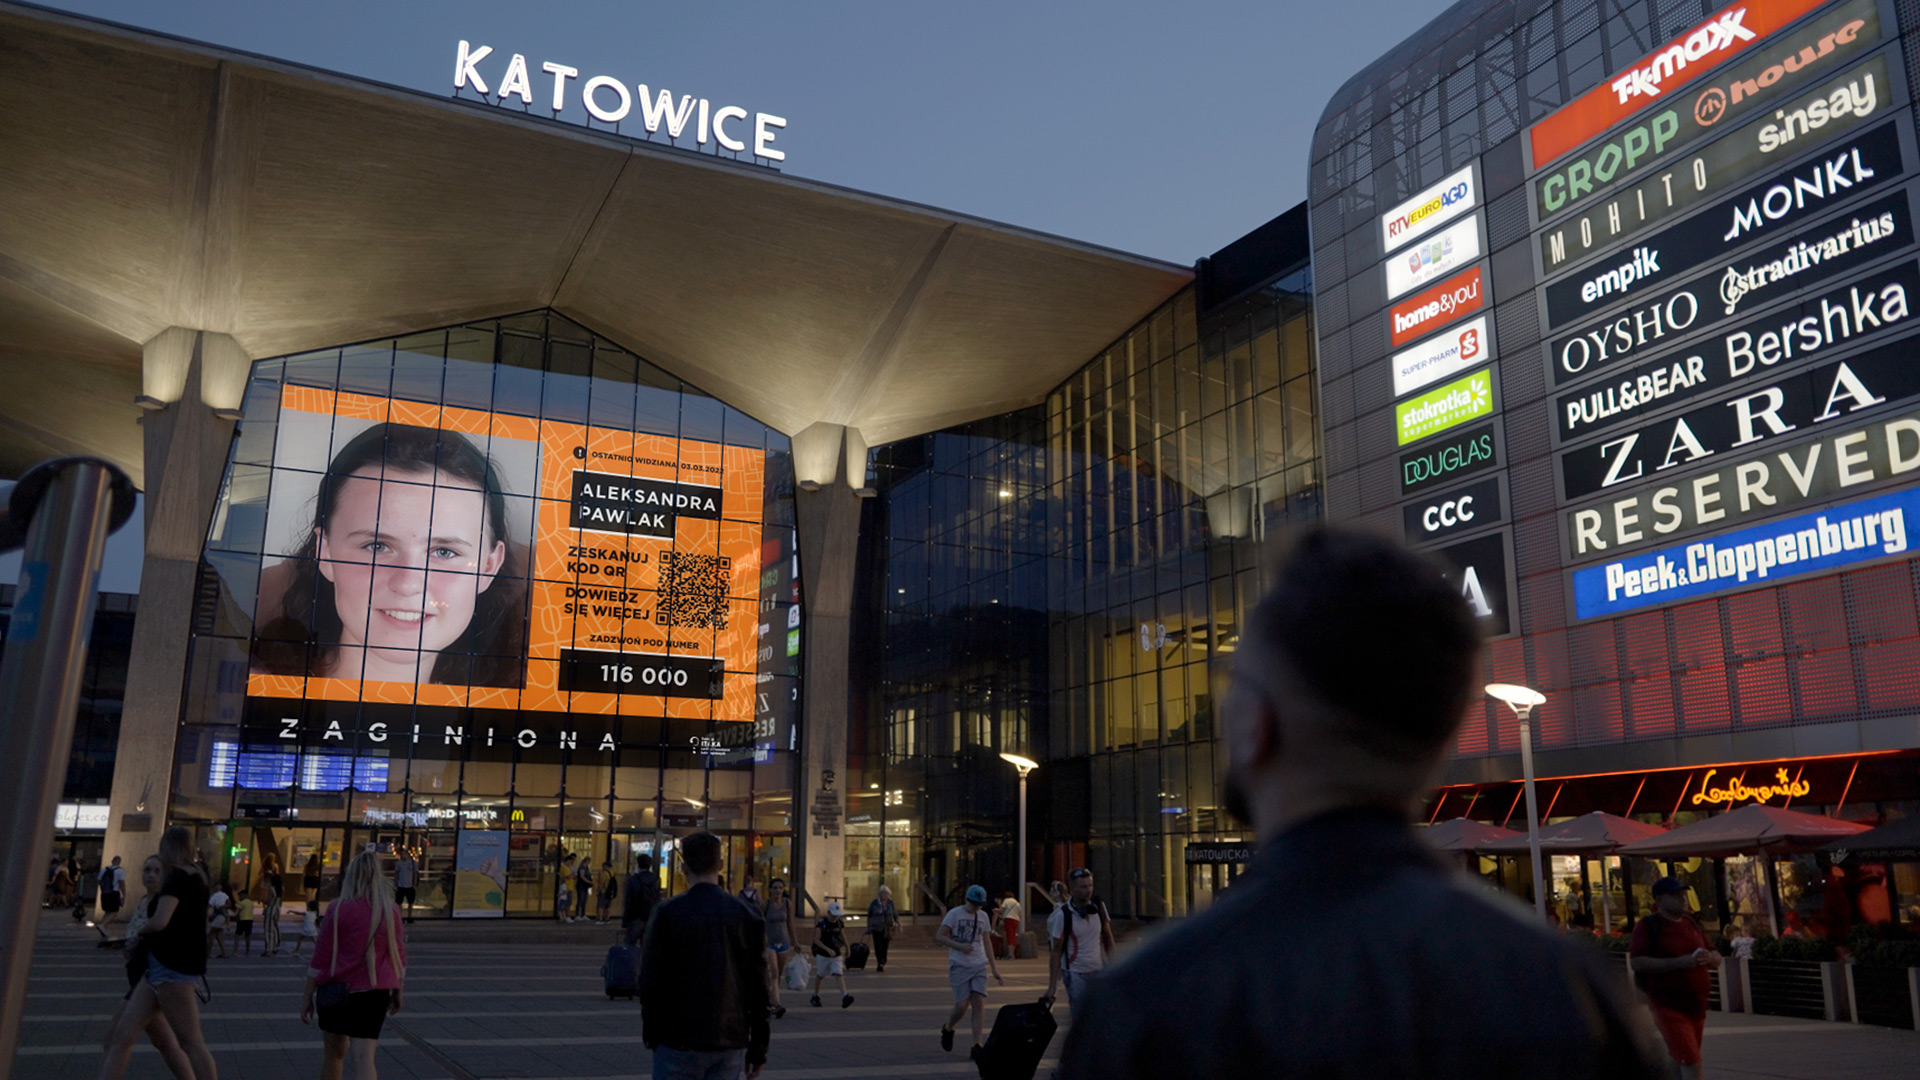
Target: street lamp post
1522	701
1025	765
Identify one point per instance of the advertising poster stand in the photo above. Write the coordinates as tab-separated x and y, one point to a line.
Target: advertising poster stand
480	875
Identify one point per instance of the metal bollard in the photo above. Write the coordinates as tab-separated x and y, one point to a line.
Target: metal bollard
64	510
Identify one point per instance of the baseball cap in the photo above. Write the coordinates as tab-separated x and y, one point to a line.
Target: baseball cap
834	909
1669	886
977	894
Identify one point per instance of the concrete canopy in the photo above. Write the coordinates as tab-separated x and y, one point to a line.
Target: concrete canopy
147	183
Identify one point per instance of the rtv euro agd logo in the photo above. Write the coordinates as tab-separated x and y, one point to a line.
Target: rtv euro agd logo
1429	208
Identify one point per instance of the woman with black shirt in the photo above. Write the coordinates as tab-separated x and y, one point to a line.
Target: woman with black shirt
310	877
276	888
175	940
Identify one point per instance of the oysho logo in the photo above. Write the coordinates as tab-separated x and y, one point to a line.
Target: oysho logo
1644	264
1716	36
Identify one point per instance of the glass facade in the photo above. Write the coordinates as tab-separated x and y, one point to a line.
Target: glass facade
1059	582
504	577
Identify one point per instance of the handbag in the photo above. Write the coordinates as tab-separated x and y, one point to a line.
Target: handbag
329	994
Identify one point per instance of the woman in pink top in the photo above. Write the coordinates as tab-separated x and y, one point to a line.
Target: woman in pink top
358	965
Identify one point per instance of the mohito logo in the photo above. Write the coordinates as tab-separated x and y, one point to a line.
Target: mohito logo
1722	33
1846	102
1428	210
1442	253
1453	351
1460	295
1455	403
1722	36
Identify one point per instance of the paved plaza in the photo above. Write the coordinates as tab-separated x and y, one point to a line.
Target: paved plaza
477	1009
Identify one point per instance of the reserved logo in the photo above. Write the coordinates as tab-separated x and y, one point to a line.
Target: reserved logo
1458	296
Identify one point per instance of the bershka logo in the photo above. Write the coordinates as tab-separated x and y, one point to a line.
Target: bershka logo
1717	35
1644	264
1428	210
1436	411
1453	351
1736	284
1458	296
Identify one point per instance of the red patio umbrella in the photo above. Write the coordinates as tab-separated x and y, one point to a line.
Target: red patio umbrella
1463	835
1750	830
1597	833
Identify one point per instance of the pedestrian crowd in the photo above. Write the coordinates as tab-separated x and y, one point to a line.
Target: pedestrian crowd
1394	967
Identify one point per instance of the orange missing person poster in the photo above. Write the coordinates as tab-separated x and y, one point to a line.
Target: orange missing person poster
425	554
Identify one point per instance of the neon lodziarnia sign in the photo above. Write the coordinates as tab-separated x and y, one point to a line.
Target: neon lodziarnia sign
1725	34
1736	790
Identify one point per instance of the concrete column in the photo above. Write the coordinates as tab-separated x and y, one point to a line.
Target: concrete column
829	518
193	382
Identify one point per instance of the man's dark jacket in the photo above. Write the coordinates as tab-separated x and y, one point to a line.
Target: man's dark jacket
1350	950
703	982
643	892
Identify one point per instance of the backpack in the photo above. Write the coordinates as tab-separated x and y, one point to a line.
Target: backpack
613	888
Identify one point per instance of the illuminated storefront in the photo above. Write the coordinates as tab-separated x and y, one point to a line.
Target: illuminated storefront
503	582
1682	261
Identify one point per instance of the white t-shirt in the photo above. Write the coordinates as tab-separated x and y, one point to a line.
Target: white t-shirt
971	930
1084	953
217	904
1010	909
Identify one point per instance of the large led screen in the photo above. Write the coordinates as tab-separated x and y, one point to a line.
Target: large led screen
418	553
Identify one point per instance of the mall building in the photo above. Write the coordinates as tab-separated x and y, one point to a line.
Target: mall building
518	487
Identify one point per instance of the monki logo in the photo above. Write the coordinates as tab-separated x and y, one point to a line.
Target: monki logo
1464	399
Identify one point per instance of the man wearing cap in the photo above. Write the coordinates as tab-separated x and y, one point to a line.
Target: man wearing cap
1671	962
964	932
829	952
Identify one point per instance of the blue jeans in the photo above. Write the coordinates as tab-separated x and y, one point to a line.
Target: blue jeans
671	1064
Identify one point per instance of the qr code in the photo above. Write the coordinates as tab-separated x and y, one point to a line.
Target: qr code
693	591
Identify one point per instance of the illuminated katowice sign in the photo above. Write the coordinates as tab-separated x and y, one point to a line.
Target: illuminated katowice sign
611	101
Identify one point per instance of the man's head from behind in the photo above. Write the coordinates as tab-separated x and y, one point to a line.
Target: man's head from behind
1350	676
701	854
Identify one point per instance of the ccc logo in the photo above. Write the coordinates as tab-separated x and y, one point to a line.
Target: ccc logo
1710	106
1448	514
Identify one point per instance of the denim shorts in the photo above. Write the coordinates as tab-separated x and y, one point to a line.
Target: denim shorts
967	981
159	974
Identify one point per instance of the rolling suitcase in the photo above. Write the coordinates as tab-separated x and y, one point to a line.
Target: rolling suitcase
1017	1042
621	972
857	956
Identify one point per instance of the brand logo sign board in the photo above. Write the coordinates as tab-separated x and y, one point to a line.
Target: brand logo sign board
1811	543
1725	34
1453	458
1797	402
1457	297
1847	102
1769	483
1697	306
1461	401
1432	258
1452	351
1872	307
1781	67
1475	506
1478	568
1428	210
1769	207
